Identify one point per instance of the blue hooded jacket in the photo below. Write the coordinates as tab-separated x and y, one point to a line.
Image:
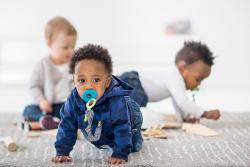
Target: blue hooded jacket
111	109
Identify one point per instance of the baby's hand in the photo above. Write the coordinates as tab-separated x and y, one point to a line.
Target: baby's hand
45	106
212	114
61	159
115	161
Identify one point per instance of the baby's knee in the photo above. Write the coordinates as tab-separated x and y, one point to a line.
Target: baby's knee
31	111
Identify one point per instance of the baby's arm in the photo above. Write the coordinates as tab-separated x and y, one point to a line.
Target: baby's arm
45	106
67	133
186	106
122	131
178	92
181	116
36	85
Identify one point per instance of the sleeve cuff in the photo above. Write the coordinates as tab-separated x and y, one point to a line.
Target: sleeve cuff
117	155
199	114
62	153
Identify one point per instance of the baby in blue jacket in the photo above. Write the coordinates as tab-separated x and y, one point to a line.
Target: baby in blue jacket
100	107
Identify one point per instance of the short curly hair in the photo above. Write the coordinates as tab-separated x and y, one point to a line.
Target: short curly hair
194	51
91	52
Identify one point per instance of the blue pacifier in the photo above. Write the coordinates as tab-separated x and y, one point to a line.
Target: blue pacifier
89	94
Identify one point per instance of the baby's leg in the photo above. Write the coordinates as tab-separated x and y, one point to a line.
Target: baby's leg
32	113
138	94
51	120
37	120
136	124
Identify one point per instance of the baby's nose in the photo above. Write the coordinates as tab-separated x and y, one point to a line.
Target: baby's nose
89	85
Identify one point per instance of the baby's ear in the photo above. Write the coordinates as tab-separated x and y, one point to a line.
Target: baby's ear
73	77
181	65
108	81
48	41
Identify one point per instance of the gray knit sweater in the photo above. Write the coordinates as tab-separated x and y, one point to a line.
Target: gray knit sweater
44	77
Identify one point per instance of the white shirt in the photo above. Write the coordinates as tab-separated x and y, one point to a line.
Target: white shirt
62	88
166	83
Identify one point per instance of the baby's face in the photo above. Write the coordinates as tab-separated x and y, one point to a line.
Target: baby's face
62	47
194	73
91	74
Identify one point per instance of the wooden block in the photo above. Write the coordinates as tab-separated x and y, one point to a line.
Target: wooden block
9	143
155	132
171	125
198	129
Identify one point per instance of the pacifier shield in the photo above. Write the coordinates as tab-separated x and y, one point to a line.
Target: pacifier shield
89	94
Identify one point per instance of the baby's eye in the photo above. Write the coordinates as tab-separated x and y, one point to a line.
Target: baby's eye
81	80
66	47
96	80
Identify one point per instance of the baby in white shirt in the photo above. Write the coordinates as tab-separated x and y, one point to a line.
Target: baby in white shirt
192	65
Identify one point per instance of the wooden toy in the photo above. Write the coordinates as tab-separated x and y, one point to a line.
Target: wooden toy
9	143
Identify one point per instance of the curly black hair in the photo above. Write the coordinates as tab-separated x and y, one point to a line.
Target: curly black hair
94	52
194	51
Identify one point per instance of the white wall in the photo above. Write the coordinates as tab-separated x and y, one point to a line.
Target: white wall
133	31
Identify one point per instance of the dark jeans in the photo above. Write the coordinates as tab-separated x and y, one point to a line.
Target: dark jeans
136	123
138	94
34	113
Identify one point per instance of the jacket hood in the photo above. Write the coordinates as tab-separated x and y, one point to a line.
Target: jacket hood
117	87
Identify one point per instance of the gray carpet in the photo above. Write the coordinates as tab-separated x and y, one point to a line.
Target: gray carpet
231	148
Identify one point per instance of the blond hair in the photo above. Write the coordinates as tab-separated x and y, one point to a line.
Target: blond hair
56	25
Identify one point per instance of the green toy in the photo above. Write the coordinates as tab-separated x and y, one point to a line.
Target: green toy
194	92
